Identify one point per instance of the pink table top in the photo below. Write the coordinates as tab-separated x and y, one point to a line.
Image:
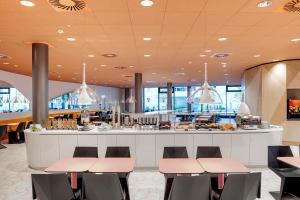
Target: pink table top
72	165
294	161
180	166
113	165
222	165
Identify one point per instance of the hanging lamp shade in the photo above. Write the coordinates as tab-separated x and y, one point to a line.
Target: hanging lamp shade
86	95
208	94
244	108
16	99
131	98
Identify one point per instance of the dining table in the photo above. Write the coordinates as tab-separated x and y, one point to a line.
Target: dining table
222	166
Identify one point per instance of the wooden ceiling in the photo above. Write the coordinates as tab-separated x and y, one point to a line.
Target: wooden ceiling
181	31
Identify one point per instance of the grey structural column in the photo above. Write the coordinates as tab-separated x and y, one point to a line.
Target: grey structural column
126	96
138	90
169	96
189	105
40	83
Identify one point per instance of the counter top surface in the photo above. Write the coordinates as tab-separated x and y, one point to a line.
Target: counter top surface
149	132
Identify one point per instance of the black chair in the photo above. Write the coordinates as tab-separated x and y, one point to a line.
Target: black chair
117	152
253	186
175	152
208	152
172	152
120	152
102	186
240	187
290	176
3	130
53	187
86	152
17	136
190	188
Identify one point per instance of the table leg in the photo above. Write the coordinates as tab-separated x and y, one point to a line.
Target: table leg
73	180
221	178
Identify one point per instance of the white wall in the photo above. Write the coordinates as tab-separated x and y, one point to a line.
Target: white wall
56	88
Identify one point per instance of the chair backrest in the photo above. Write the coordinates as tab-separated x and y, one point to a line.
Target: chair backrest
208	152
278	151
253	184
234	188
3	130
86	152
190	188
117	152
102	187
175	152
52	187
21	127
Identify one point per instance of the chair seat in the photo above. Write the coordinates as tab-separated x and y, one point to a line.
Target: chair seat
286	172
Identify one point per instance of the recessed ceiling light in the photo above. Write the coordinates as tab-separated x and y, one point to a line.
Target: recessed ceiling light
275	60
190	62
91	56
199	71
150	81
295	40
58	65
5	63
69	26
60	31
224	65
16	65
264	4
103	65
109	55
226	74
71	39
256	56
147	38
207	51
222	39
131	66
153	73
202	55
27	3
179	73
147	3
147	55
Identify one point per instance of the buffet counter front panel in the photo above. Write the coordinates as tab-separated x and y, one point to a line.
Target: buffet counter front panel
249	147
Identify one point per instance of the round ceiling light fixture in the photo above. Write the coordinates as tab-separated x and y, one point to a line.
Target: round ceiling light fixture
264	4
109	55
27	3
222	39
295	40
147	3
71	39
60	31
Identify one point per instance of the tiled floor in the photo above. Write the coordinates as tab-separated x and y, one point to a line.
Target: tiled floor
144	185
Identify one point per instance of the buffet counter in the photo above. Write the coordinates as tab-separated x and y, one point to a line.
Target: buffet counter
247	146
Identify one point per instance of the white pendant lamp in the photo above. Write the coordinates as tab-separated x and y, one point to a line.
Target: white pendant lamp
131	99
86	95
244	108
208	94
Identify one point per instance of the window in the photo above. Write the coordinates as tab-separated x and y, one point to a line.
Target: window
156	99
180	99
12	100
150	99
